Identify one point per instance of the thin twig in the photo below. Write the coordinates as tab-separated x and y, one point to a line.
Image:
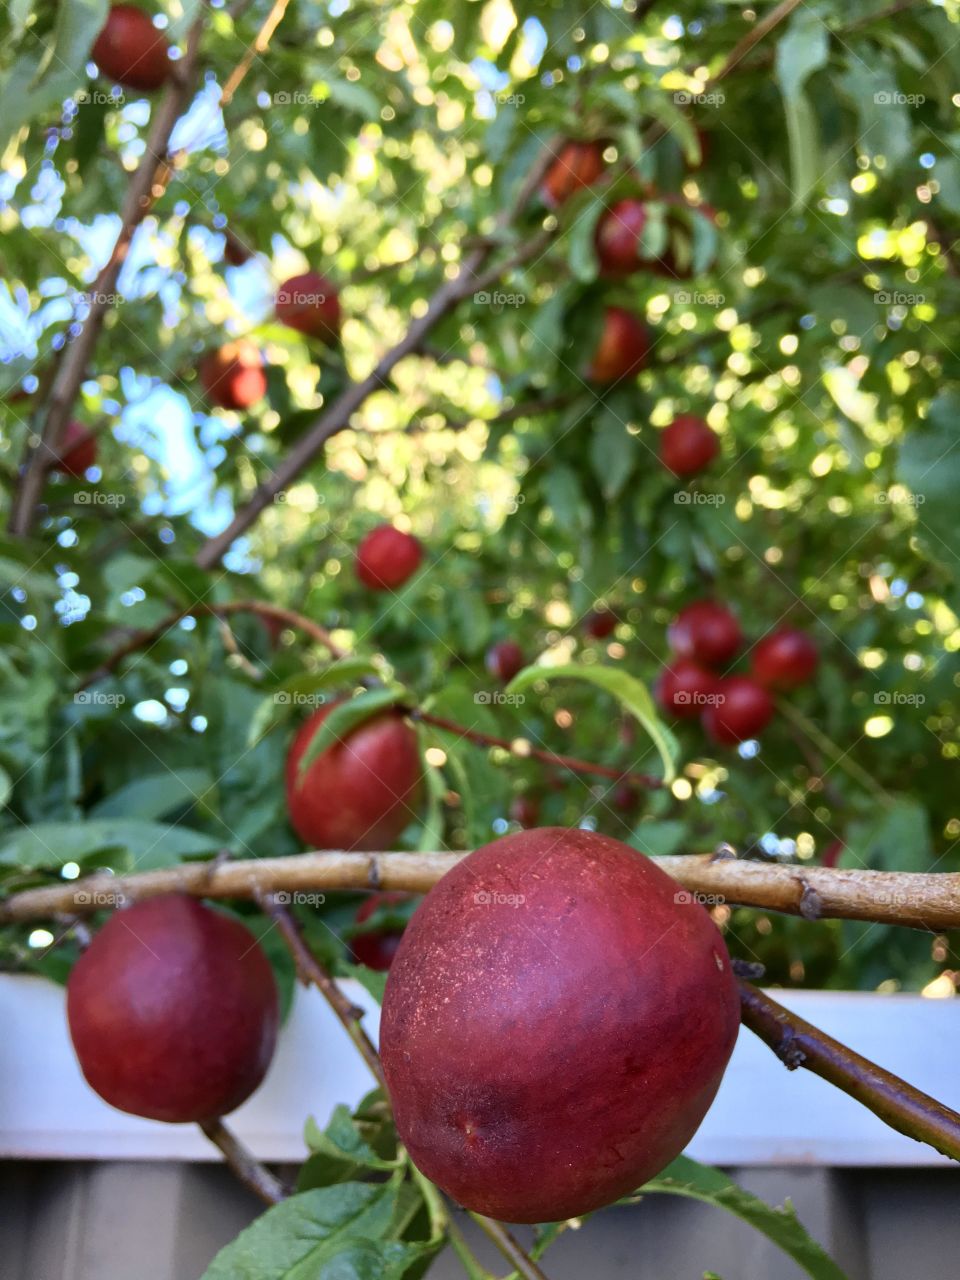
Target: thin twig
520	747
246	1167
898	1104
149	636
310	970
753	37
509	1247
919	900
146	186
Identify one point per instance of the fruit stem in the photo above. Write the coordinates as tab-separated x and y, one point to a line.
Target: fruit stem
799	1044
647	780
509	1247
240	1161
310	970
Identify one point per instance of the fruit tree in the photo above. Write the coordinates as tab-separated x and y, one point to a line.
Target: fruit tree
424	424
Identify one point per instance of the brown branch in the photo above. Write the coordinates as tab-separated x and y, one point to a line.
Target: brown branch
246	1167
470	278
898	1104
525	751
259	46
149	636
146	186
310	970
753	38
509	1247
921	900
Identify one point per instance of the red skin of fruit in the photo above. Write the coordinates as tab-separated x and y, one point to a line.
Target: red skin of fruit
235	252
578	165
618	238
743	709
688	445
525	811
684	687
600	624
784	659
376	950
547	1055
504	660
78	452
705	631
387	558
362	791
832	853
233	376
310	304
173	1011
623	348
625	797
130	50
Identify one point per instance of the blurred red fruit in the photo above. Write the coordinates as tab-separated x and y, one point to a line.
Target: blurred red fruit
688	445
233	375
578	165
742	710
784	659
377	948
78	452
525	811
310	304
504	660
387	558
623	347
130	50
600	624
705	631
684	688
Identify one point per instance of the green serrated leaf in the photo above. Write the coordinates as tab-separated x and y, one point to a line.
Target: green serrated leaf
145	844
156	794
685	1177
289	695
629	691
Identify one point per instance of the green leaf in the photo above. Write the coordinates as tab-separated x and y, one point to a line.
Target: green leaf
372	980
293	694
342	1140
802	50
343	1232
929	466
146	844
613	455
629	691
156	795
685	1177
896	839
346	717
581	254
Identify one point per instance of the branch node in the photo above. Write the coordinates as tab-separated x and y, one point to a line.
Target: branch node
811	904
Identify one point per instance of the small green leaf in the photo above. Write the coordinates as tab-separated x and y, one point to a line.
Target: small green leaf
156	794
802	50
342	1140
685	1177
147	844
346	717
626	689
289	696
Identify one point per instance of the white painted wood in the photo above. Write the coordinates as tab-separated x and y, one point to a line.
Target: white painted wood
763	1113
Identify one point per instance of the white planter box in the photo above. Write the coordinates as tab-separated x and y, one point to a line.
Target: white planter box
763	1114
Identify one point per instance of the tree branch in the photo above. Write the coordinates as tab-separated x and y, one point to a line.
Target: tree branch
146	186
470	278
898	1104
520	747
509	1247
921	900
310	970
240	1161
